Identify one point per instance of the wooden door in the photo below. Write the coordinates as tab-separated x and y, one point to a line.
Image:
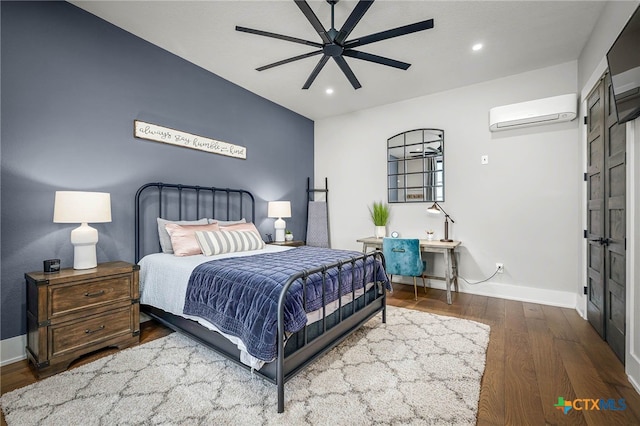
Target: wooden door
615	225
595	209
606	214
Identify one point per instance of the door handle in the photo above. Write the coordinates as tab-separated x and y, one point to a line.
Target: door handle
601	240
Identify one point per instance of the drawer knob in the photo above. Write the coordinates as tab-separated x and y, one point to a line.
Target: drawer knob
97	293
88	331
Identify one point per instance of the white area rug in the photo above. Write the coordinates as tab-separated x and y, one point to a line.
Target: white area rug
418	368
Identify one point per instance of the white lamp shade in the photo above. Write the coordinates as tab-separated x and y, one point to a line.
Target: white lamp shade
82	207
279	209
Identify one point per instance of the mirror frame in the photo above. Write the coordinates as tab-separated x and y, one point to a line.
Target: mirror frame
428	168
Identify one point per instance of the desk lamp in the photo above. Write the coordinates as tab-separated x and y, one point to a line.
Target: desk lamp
279	209
437	209
82	207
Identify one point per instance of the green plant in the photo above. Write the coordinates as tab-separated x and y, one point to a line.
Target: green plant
379	213
287	231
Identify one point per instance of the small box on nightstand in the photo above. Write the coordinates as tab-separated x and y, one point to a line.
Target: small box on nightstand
51	265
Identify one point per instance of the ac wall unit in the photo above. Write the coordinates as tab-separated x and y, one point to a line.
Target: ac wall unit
534	113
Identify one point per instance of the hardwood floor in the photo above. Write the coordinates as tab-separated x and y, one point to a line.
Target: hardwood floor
536	354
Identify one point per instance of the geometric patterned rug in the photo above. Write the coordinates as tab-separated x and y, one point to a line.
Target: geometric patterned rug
418	368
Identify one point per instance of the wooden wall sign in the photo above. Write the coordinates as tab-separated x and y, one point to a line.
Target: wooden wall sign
156	133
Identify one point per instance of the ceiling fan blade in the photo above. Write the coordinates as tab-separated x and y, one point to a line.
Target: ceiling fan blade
286	61
375	58
356	14
313	19
278	36
315	72
395	32
346	69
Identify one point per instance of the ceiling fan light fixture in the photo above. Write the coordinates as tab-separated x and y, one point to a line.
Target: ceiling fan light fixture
329	91
335	44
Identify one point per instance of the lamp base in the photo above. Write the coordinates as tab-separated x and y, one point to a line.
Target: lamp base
84	239
279	226
446	240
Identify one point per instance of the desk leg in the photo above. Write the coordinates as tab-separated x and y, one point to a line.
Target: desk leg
454	269
447	274
366	247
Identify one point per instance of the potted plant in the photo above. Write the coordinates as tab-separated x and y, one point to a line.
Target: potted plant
380	216
288	235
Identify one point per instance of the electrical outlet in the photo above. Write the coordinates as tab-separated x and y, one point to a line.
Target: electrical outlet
500	268
484	159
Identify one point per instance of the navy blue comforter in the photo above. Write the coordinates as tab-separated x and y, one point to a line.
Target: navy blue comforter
240	295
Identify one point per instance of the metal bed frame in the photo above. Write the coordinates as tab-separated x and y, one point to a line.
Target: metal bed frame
300	349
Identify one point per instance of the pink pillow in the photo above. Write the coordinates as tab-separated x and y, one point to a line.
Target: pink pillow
241	227
183	237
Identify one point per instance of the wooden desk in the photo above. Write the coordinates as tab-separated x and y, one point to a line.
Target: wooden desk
426	246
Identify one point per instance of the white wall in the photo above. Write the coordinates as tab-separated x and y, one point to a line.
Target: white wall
610	22
522	209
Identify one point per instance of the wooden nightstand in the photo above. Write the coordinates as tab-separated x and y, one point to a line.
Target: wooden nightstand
74	312
288	243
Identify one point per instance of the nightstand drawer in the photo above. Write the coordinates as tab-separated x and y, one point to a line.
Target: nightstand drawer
87	331
74	297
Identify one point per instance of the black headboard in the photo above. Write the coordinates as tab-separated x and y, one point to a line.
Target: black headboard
185	202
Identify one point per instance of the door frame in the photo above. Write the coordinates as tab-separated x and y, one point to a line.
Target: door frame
632	356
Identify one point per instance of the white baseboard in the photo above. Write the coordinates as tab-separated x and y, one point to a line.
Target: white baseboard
581	305
563	299
632	368
13	350
634	383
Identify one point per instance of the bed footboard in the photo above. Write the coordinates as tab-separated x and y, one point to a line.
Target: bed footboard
359	312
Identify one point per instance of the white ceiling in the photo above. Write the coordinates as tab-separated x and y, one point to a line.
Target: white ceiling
517	35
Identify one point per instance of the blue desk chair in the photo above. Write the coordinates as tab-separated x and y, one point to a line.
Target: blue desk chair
402	257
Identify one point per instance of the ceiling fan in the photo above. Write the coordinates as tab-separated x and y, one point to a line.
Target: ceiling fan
335	44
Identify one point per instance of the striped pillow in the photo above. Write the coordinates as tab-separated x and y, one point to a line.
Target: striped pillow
217	242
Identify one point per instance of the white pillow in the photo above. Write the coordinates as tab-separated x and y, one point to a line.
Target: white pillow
227	222
163	235
217	242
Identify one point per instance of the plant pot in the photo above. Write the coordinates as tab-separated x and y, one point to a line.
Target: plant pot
380	231
288	237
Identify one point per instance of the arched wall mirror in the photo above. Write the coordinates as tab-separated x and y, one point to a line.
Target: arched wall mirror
415	166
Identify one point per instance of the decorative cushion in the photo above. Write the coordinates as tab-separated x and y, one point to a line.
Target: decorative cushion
241	227
183	237
165	239
227	222
218	242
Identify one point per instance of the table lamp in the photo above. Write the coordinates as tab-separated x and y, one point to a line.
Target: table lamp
437	209
279	209
83	207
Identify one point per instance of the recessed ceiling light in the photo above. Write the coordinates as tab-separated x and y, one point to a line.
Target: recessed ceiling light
329	91
476	47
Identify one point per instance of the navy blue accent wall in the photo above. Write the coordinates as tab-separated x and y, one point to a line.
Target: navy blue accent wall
72	84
